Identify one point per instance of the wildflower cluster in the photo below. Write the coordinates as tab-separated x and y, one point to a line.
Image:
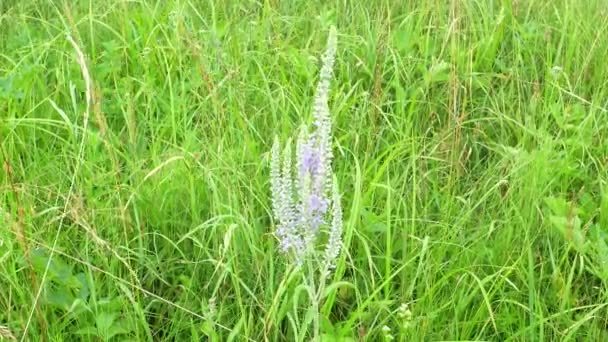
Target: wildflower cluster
305	196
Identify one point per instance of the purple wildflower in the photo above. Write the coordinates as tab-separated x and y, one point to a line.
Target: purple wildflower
301	203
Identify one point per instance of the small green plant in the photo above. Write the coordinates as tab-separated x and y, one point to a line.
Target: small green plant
583	225
68	292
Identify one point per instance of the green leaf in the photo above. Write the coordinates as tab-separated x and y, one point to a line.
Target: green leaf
89	330
104	322
326	325
373	223
60	297
208	329
557	205
600	249
587	207
570	229
604	211
404	41
83	288
58	271
339	285
234	334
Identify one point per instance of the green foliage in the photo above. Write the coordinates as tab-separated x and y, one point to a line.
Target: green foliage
69	295
576	224
471	146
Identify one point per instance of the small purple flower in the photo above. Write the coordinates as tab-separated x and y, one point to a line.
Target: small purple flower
310	161
317	204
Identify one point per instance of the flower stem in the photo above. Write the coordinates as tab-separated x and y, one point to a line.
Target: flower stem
314	298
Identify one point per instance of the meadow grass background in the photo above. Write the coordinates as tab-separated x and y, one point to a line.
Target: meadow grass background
469	140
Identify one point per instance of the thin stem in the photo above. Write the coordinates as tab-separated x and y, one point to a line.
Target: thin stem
314	298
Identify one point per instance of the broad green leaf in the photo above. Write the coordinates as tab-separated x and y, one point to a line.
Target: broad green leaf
104	322
208	329
570	229
557	205
60	297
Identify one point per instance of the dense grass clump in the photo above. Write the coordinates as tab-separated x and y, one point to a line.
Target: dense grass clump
469	142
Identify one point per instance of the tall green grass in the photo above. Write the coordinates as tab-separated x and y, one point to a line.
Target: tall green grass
470	145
